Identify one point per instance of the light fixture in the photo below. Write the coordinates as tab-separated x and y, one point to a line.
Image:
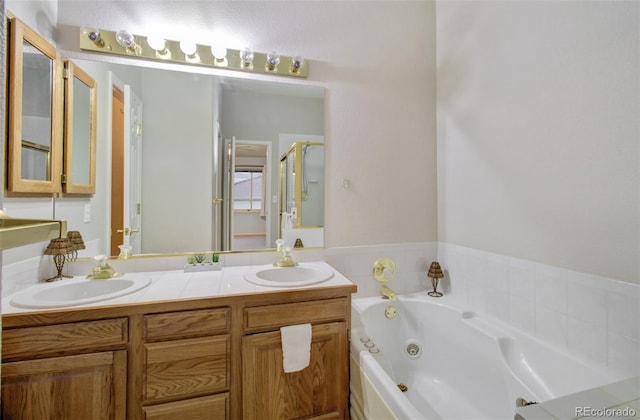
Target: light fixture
59	248
159	45
190	51
92	34
77	243
219	52
273	59
127	40
297	63
246	57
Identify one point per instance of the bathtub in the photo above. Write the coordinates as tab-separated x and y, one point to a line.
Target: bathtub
454	363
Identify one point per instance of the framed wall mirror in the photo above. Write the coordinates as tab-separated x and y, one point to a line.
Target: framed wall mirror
34	112
79	166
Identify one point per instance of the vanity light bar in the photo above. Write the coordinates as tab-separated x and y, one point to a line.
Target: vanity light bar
103	41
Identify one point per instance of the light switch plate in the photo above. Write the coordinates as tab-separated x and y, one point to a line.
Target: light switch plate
87	213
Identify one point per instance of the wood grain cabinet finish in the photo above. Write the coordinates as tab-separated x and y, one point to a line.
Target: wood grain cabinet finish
210	407
61	339
186	360
83	387
187	324
183	368
274	316
318	391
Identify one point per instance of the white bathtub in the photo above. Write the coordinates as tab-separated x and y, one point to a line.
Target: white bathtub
470	366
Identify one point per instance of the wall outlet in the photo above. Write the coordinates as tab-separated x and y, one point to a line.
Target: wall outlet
87	213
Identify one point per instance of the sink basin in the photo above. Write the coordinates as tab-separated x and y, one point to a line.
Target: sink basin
289	276
73	293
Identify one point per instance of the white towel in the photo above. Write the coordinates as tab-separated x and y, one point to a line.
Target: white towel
296	347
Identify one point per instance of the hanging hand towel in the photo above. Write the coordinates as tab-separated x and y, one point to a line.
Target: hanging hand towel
296	347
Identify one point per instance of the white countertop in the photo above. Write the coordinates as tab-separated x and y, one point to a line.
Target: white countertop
176	285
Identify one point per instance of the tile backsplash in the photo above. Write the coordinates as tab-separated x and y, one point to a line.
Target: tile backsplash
592	316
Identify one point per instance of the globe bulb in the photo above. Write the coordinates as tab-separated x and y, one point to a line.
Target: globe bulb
156	43
297	63
93	34
219	52
273	59
125	38
188	47
246	55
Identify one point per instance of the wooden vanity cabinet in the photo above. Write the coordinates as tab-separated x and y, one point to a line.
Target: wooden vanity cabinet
65	371
318	391
199	359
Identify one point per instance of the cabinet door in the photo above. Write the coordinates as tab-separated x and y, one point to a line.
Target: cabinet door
82	387
319	390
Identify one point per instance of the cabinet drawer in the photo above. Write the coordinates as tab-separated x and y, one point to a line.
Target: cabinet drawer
190	367
275	316
211	407
64	338
186	324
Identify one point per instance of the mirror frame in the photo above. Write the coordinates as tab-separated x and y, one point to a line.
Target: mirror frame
18	34
72	71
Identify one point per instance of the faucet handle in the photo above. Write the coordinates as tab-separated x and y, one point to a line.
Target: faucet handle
384	270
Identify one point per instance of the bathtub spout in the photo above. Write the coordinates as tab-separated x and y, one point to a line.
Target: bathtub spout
387	293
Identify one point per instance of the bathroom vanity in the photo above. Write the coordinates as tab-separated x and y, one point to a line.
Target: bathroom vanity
211	355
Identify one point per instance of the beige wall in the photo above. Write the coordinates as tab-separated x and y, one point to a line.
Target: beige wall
377	62
538	135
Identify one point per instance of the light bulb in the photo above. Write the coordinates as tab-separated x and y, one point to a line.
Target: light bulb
188	47
297	63
159	45
93	34
219	52
125	38
246	55
273	59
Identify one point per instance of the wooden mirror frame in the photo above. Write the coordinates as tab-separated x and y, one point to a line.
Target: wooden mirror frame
72	71
18	34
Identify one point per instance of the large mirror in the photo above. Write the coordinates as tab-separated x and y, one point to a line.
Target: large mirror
34	112
198	166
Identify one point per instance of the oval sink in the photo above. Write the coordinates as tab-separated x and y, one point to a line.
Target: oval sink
289	276
58	295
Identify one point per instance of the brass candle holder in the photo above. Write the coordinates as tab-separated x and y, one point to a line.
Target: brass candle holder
435	274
